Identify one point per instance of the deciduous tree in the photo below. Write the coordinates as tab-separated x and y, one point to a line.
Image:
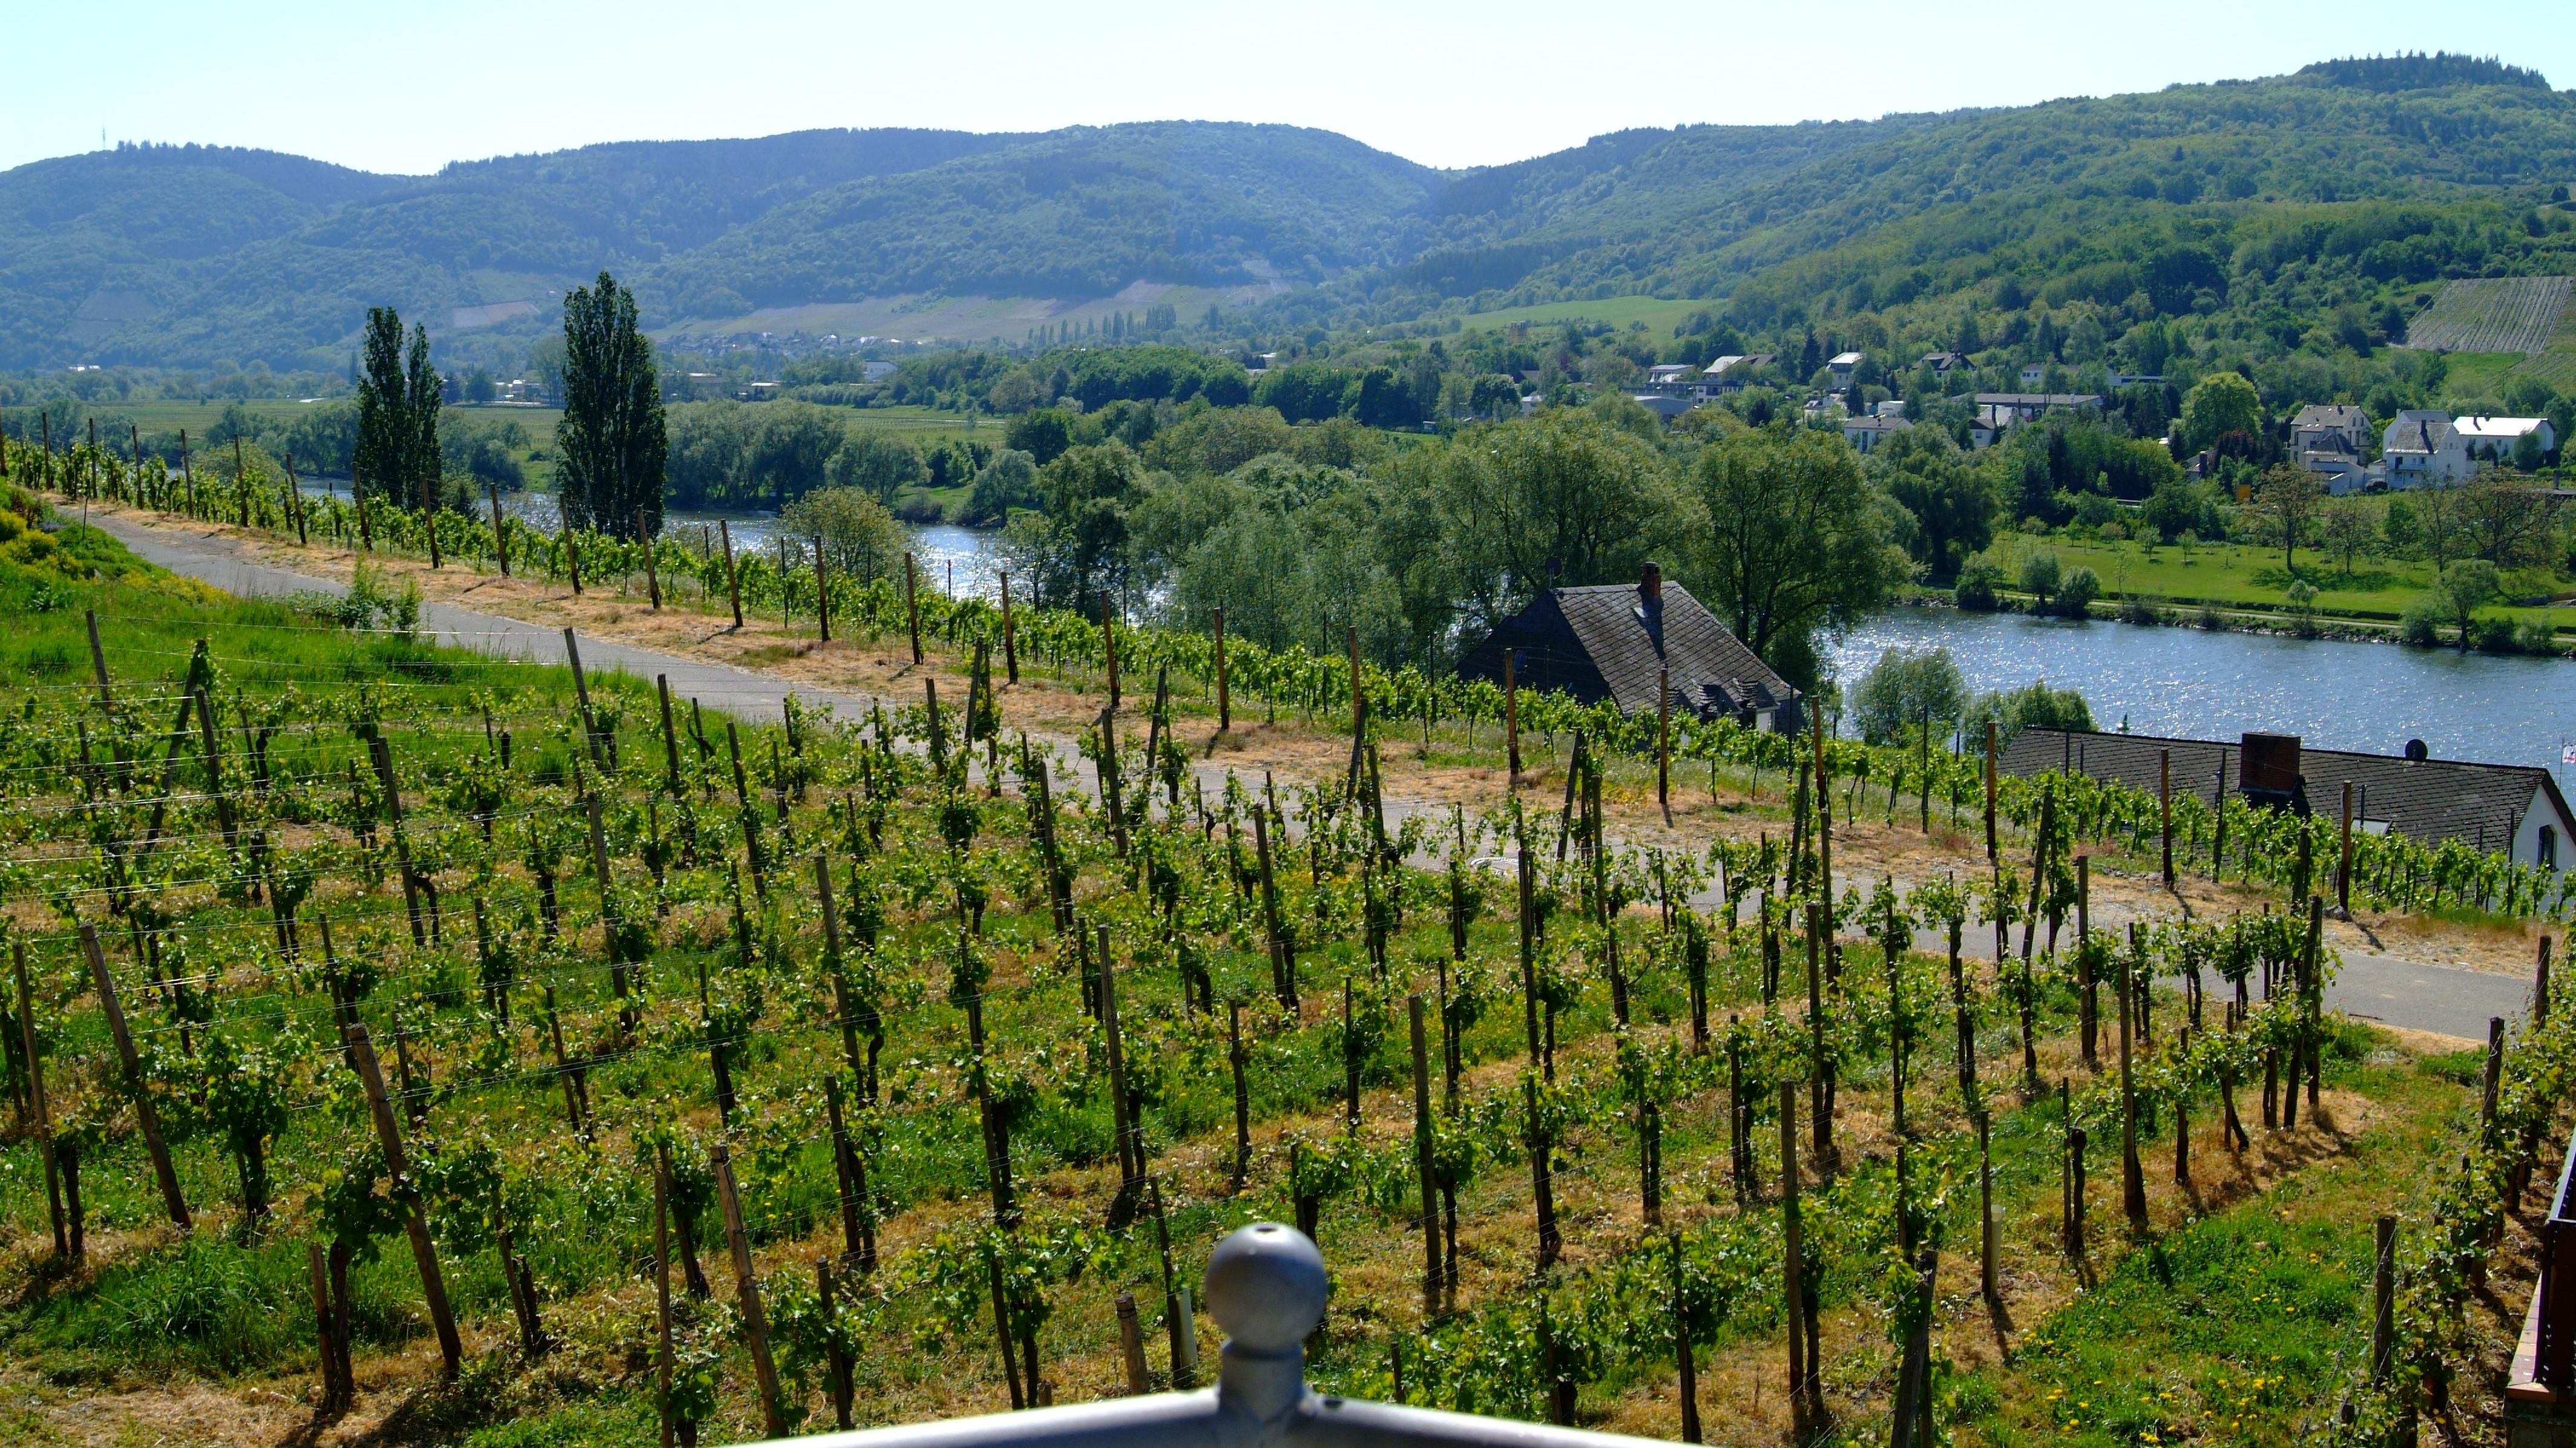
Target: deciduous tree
610	443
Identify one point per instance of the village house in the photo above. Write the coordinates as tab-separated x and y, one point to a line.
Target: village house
2421	449
2510	807
1619	643
1676	378
1999	410
2493	438
1864	433
1842	365
1943	363
2332	442
1736	370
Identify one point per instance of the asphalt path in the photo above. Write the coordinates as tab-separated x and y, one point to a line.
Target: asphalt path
2442	1000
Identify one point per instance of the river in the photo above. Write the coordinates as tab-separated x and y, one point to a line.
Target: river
2214	685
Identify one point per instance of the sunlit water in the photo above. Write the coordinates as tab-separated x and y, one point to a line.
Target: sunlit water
2212	685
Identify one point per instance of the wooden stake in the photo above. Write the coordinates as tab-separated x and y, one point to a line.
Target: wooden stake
2164	808
1131	1345
733	583
97	659
822	595
1511	718
329	1349
1242	1099
1664	742
39	1109
755	1324
1689	1370
2343	865
1224	699
500	535
1424	1162
1109	647
652	578
1991	854
1010	634
670	736
912	606
146	1115
662	1288
1793	1292
424	1252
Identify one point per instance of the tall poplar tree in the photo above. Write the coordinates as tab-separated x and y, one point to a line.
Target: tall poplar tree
423	394
611	444
387	431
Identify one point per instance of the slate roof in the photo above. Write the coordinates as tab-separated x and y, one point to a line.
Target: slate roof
2324	415
2431	800
1604	642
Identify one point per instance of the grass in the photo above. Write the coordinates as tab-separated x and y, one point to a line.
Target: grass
2245	575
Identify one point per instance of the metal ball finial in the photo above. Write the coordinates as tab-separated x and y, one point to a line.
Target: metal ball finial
1266	1287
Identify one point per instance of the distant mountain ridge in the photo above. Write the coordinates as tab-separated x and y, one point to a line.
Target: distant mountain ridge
186	255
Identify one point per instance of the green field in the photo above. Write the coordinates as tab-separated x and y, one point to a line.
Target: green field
2244	575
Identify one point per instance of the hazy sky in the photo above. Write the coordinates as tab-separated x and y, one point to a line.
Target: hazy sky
408	88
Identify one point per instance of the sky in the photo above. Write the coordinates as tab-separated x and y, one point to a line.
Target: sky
409	88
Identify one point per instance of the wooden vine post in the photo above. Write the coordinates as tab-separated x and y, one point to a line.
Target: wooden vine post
572	556
1424	1162
40	1113
1664	742
652	577
755	1324
147	1117
2164	808
822	595
2343	865
1511	718
733	581
1010	634
662	1289
500	535
1224	699
433	1285
2133	1182
1991	854
1109	650
98	659
911	606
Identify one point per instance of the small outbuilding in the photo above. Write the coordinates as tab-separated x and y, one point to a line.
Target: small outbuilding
1618	642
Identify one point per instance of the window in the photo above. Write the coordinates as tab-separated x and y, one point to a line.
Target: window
2548	851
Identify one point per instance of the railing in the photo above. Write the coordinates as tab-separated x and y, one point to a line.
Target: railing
2554	1300
1265	1287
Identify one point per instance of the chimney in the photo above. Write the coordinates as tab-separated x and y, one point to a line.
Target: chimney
1650	586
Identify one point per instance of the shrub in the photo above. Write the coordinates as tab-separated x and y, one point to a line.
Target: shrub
2421	624
2138	610
2040	577
1978	580
2207	618
2075	596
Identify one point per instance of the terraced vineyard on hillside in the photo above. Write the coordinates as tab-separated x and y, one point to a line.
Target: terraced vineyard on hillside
2492	314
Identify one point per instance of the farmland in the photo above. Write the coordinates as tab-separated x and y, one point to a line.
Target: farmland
400	844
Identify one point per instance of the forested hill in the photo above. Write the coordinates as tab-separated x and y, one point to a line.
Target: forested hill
1863	215
2406	168
195	254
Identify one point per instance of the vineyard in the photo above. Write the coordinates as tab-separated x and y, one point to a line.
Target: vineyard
2496	314
475	1051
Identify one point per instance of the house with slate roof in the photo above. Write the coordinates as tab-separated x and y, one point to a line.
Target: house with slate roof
2510	807
1620	643
2421	449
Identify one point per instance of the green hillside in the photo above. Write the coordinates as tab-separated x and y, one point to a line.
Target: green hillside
2338	199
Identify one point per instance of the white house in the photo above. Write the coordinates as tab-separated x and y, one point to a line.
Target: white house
1841	364
1672	377
2421	449
1864	433
2495	437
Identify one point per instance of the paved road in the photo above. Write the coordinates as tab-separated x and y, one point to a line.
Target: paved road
2444	1000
